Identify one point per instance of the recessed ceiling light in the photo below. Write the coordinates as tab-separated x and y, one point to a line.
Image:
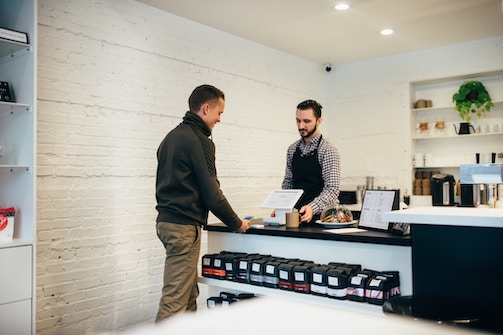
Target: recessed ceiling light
386	32
341	6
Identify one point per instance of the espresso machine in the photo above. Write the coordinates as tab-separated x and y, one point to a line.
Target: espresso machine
481	185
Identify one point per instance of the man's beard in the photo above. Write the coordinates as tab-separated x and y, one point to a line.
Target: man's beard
309	133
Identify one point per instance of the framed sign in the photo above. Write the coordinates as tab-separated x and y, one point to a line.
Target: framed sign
375	203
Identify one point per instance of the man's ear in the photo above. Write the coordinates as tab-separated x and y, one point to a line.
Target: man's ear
320	120
206	108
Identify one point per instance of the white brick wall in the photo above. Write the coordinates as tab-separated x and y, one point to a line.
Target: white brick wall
114	78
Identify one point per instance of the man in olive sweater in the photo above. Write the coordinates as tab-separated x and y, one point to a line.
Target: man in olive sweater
187	188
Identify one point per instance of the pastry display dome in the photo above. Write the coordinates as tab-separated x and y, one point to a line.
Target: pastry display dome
336	214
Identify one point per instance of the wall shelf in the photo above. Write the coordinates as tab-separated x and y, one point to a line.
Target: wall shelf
10	108
15	168
449	108
18	169
445	150
456	136
10	50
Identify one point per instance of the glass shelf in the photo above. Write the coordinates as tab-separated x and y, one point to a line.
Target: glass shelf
11	49
13	107
14	168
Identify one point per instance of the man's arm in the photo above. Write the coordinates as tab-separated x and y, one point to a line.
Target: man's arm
288	179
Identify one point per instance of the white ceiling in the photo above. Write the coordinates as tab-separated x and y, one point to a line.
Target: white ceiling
313	30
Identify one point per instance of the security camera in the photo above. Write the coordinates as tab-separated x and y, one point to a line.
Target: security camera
328	68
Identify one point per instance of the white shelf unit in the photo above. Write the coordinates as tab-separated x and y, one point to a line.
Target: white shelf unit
18	168
368	255
354	306
445	149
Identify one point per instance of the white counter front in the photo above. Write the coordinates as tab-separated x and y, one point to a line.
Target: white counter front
452	216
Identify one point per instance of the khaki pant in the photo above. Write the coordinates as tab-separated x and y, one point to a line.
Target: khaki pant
180	290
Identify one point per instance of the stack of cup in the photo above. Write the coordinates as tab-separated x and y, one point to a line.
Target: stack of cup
418	160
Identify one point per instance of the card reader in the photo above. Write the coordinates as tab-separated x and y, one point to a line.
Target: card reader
273	221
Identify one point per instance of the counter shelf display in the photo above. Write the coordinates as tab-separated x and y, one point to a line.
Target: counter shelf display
346	281
380	251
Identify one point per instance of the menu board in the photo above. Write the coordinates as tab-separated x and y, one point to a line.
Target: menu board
375	203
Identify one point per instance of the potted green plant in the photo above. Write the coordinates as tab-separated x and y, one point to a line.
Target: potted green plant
472	98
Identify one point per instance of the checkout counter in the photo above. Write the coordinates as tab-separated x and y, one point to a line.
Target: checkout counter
450	266
457	261
457	257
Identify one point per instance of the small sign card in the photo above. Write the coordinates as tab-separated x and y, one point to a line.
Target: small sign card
5	93
13	35
375	203
7	223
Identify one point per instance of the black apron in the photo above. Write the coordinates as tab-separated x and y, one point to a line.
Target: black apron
307	175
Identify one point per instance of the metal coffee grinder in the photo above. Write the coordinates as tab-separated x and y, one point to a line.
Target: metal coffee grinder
487	182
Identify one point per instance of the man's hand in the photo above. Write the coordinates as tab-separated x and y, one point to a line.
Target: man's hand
306	213
245	225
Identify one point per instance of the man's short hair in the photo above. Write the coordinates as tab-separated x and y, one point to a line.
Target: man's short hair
203	94
311	104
